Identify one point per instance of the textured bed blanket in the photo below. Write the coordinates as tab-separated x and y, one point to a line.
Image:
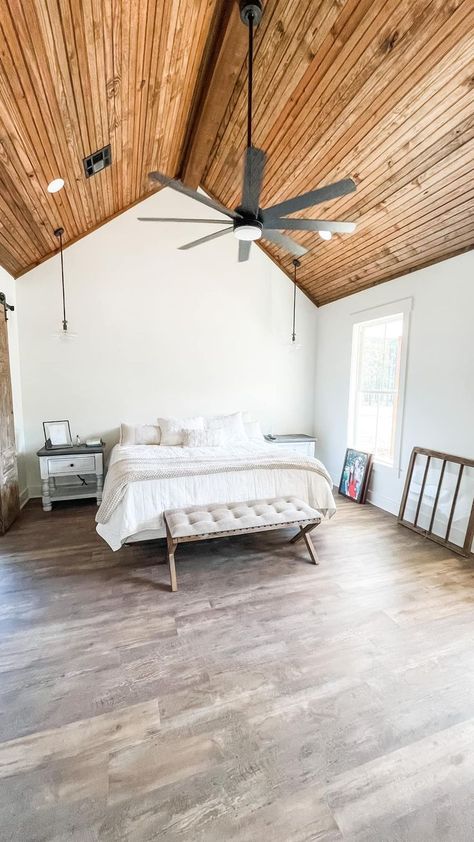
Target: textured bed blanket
137	468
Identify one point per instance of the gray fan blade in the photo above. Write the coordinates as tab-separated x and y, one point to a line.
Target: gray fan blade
284	242
310	225
244	250
206	239
313	197
181	219
253	179
193	194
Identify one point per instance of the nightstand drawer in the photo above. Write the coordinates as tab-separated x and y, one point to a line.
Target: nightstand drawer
71	465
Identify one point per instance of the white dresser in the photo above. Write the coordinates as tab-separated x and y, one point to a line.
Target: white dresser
299	442
71	473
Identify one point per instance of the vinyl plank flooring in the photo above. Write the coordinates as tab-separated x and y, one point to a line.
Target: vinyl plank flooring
266	697
403	781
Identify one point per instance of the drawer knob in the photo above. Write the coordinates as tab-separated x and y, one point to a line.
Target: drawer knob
71	465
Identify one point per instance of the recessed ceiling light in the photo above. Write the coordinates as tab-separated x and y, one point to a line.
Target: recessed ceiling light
325	235
55	185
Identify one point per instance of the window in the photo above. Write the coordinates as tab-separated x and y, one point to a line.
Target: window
378	355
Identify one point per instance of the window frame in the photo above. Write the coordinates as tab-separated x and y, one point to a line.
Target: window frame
401	307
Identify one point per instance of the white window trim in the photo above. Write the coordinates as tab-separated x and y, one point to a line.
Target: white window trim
392	308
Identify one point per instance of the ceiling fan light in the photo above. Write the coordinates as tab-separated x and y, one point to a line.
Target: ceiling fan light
248	232
325	235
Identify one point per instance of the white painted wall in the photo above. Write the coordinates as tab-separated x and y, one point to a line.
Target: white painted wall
161	332
7	285
439	400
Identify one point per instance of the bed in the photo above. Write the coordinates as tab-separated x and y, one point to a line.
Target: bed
143	481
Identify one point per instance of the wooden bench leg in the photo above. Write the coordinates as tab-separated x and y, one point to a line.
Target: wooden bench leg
304	534
310	547
172	567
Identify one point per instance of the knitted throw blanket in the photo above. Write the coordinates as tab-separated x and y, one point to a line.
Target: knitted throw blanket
125	471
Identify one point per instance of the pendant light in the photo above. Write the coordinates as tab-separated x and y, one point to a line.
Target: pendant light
64	332
296	346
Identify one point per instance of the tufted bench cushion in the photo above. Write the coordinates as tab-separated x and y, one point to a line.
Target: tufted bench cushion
197	523
231	517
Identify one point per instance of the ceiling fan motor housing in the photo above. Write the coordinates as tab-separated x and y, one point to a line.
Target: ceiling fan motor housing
254	8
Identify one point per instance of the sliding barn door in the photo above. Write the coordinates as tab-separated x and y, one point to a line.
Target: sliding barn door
9	494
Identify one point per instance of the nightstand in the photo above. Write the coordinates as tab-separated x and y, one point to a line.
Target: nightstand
303	444
58	464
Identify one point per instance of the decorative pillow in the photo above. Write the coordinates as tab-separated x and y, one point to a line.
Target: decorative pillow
173	429
139	434
231	425
253	430
203	438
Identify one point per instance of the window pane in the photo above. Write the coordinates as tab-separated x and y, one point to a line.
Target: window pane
365	421
375	393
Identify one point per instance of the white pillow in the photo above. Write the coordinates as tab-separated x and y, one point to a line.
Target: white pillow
253	430
203	438
172	429
231	425
139	434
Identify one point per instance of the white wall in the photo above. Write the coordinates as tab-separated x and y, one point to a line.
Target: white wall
439	401
7	285
161	332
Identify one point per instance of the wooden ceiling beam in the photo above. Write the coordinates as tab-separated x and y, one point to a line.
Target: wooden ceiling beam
218	79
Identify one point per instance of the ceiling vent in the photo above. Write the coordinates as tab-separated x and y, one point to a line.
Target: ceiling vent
97	161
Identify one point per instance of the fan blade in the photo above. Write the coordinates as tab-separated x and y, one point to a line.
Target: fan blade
285	243
206	239
165	181
310	225
181	219
253	178
244	250
313	197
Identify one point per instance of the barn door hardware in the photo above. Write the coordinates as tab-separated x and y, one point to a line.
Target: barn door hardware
6	306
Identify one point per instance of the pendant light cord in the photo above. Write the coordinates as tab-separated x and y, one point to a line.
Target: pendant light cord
293	335
296	263
250	81
59	234
62	282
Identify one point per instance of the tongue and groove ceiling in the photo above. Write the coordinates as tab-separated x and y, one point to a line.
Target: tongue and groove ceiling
380	90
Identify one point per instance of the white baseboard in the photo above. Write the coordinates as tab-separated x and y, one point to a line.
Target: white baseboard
383	502
24	497
378	500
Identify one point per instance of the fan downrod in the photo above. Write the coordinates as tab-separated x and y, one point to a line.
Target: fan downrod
251	8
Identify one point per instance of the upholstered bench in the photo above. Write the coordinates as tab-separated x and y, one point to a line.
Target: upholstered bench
217	520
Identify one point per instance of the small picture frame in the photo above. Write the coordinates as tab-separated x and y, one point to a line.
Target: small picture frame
355	475
57	434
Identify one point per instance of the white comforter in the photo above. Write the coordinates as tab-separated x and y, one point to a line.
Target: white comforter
139	514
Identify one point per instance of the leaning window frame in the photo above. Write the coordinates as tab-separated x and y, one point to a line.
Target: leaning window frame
404	307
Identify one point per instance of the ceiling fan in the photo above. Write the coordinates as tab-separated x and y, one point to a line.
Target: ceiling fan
249	221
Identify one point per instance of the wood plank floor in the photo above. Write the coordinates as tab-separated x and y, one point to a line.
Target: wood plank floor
268	698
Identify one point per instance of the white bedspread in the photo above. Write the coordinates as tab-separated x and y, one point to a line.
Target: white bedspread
139	514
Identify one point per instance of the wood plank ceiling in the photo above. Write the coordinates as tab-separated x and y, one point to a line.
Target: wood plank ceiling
76	75
380	90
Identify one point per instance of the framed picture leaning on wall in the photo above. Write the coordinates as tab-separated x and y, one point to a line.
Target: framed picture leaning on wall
355	474
57	434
